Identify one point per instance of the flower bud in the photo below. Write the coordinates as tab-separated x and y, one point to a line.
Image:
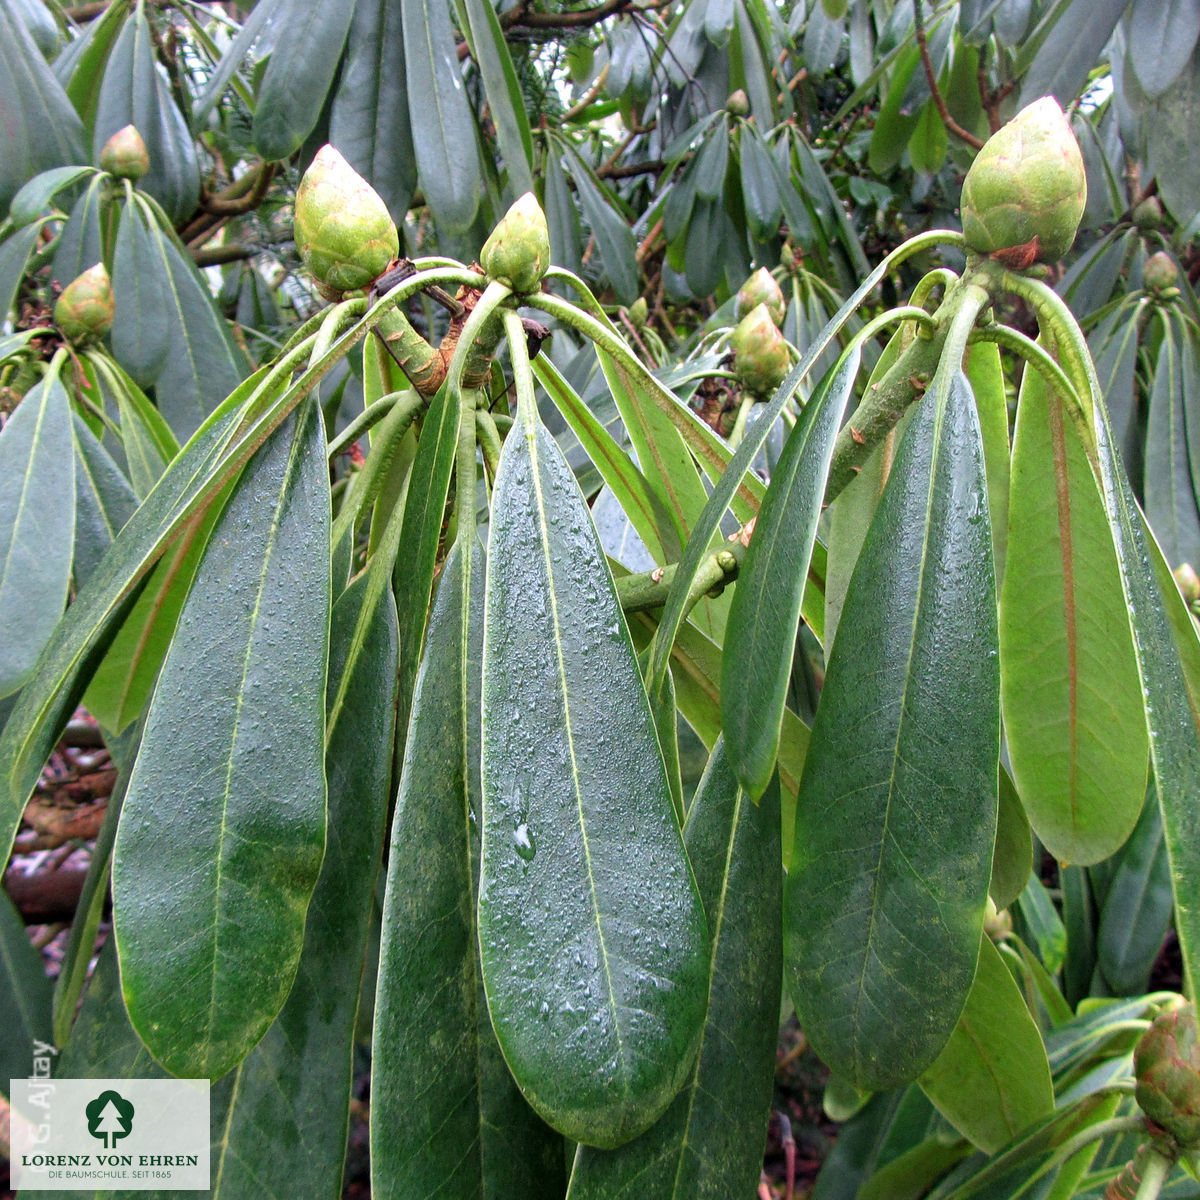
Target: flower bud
1188	581
1166	1063
1160	274
637	313
344	232
125	154
84	312
1024	195
761	288
997	923
738	103
518	251
761	357
1148	214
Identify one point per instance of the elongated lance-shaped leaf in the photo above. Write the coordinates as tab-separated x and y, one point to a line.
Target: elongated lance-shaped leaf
295	1086
992	1079
465	1131
1072	705
134	92
141	322
592	936
104	501
199	892
79	244
897	808
301	68
444	133
41	129
25	992
709	1142
37	526
765	615
369	119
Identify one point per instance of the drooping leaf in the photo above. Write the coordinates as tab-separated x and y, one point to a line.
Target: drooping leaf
431	1020
615	242
929	141
444	134
33	197
80	65
239	861
37	526
881	938
760	185
79	244
709	1142
1162	35
765	615
294	1088
370	120
986	375
1012	856
141	322
1070	49
25	991
41	129
14	258
260	17
992	1079
104	501
1072	708
592	936
134	93
308	47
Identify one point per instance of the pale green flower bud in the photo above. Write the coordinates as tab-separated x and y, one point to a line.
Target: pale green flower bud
125	154
84	312
761	357
761	288
518	251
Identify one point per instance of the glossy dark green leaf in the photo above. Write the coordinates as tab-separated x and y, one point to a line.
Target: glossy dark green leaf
1137	907
1162	35
25	991
592	936
1042	924
466	1132
301	68
900	781
1169	143
705	244
37	526
1072	708
370	121
147	442
711	161
238	863
1170	497
41	129
929	141
80	65
760	185
33	197
765	614
1070	49
134	93
895	124
294	1088
444	134
14	258
614	238
104	501
710	1141
141	328
79	244
992	1079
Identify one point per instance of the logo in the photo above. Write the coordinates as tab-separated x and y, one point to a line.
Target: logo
109	1118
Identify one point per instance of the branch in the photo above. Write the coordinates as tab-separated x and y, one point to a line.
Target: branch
215	256
950	123
235	199
47	897
582	19
626	170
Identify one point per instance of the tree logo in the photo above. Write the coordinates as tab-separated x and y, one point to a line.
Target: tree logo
109	1117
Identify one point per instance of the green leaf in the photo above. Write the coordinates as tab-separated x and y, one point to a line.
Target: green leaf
259	18
929	142
1072	708
80	66
301	68
765	616
79	244
562	216
1162	35
236	863
37	526
1044	926
760	185
894	125
14	259
104	501
370	121
992	1080
41	129
25	992
592	936
1060	65
709	1142
470	1133
444	135
502	90
141	331
135	93
1137	907
986	375
35	195
615	242
881	936
1012	856
294	1088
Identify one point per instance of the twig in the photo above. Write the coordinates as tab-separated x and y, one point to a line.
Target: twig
232	203
585	101
950	123
215	256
